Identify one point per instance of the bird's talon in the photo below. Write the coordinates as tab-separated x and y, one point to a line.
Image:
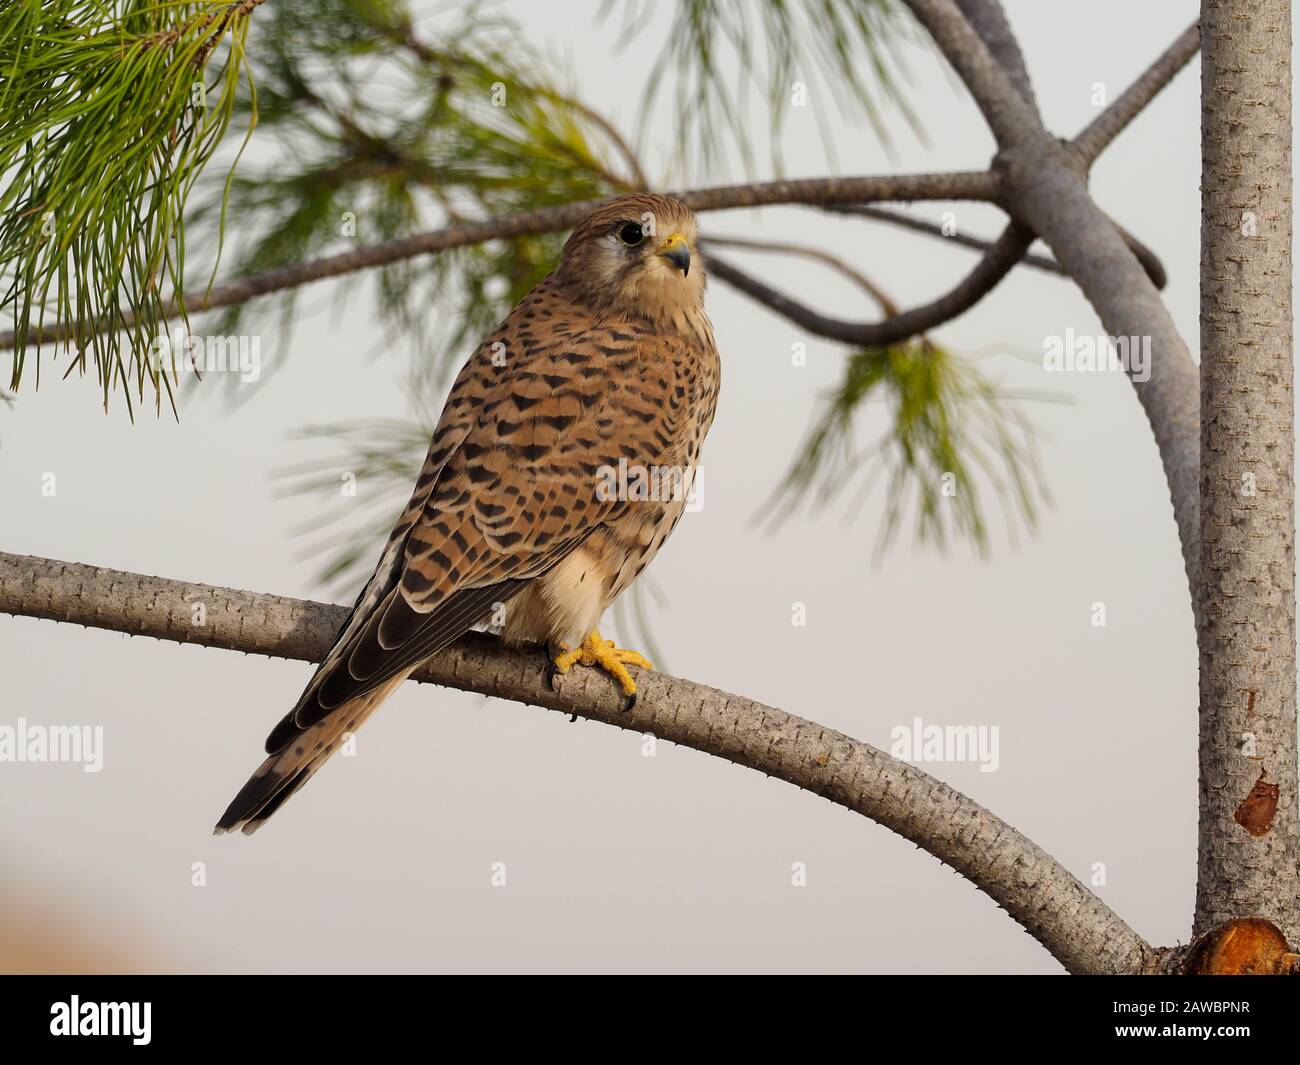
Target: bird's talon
614	660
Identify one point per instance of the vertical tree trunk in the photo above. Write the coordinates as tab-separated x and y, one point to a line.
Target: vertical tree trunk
1248	813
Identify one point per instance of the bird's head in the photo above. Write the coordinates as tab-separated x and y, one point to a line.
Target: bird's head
636	254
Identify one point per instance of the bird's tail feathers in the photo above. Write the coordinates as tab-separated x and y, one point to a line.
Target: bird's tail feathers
292	765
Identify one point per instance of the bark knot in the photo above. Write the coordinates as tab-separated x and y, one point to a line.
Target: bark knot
1257	810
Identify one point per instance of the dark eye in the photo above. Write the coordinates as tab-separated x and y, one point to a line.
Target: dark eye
630	234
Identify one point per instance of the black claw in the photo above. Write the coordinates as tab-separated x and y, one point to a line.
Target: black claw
629	701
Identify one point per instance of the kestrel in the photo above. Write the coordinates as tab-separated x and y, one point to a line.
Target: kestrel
607	366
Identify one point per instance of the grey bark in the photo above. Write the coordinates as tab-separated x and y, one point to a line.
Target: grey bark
1045	898
1248	824
989	21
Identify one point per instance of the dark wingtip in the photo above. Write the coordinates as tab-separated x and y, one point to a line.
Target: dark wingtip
261	789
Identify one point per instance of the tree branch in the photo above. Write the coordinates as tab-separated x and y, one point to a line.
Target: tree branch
989	21
933	229
1001	258
1010	116
1150	261
1051	904
1103	129
1147	259
961	185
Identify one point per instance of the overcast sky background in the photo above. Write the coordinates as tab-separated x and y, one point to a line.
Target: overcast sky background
680	862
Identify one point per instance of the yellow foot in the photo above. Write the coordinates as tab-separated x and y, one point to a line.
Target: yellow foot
596	651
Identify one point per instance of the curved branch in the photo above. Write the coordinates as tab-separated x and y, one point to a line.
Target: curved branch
1103	129
1001	258
959	185
1051	904
1147	259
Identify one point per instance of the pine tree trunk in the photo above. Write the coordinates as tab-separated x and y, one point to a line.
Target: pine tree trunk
1248	811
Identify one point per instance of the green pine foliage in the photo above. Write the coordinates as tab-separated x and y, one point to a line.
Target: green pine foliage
732	62
108	112
951	435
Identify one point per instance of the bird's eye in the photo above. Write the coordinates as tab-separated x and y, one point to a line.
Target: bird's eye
630	234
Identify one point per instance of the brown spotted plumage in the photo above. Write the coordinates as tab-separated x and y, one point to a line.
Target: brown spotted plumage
604	375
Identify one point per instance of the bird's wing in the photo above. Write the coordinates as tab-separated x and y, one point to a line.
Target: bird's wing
507	491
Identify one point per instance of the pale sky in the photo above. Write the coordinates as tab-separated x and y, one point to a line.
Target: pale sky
615	861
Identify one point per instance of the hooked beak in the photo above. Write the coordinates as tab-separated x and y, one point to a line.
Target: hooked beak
678	252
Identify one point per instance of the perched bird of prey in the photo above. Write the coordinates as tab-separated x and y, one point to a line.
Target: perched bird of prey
607	365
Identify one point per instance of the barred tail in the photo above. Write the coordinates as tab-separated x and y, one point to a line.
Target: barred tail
293	762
